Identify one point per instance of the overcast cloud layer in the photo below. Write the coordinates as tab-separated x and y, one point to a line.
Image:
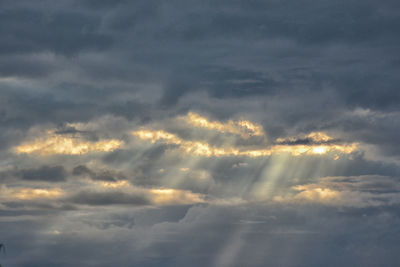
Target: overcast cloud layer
200	133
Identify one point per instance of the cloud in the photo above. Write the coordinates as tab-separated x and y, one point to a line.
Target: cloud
100	176
243	127
133	196
217	229
353	191
317	142
172	197
109	198
26	193
264	133
44	173
55	144
36	30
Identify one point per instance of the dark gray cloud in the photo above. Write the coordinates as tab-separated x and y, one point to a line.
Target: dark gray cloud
109	198
247	235
35	30
306	141
100	176
44	173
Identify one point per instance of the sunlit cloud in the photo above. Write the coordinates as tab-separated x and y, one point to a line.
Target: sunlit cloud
27	193
317	137
327	196
103	193
202	148
52	144
191	147
244	128
322	195
116	184
156	196
316	194
355	191
298	150
167	196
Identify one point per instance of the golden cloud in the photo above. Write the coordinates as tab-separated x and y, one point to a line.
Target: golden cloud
116	184
27	193
242	127
316	194
354	191
204	149
158	196
167	196
56	144
316	137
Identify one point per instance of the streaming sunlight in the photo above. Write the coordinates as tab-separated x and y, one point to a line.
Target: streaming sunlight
269	177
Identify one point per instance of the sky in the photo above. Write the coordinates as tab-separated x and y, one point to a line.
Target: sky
200	133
